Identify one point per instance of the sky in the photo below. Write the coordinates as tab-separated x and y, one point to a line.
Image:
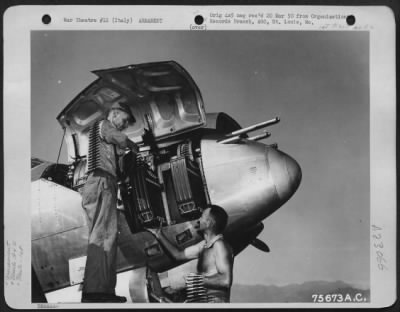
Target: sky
316	82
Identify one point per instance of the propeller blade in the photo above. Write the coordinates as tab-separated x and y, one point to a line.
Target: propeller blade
259	244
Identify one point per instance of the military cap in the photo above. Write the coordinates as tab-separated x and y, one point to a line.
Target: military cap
123	106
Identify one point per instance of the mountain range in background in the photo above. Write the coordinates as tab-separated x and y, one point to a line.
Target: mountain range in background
294	292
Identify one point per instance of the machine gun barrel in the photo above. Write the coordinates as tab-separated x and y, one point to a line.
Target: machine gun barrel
233	139
255	127
260	136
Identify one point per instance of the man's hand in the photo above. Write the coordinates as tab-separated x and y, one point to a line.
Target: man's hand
133	146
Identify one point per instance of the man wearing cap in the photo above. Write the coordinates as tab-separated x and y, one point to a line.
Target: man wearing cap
99	200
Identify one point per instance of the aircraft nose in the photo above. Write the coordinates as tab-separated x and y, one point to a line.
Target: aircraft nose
251	180
285	172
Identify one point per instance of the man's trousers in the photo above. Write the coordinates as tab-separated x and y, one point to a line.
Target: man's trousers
99	200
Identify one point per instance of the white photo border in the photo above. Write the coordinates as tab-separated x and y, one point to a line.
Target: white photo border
19	21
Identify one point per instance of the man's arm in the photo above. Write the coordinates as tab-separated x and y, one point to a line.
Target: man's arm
224	263
113	136
191	252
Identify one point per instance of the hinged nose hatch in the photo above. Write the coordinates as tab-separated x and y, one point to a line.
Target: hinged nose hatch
162	92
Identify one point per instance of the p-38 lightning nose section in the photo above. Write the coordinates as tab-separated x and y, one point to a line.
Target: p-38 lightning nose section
249	179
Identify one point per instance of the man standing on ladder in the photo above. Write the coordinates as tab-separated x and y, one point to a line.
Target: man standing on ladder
99	200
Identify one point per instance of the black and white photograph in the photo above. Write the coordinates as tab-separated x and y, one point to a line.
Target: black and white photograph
181	167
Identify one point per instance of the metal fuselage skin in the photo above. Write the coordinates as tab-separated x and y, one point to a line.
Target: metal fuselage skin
249	179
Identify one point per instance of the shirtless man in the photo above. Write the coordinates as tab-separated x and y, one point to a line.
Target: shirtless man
215	264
